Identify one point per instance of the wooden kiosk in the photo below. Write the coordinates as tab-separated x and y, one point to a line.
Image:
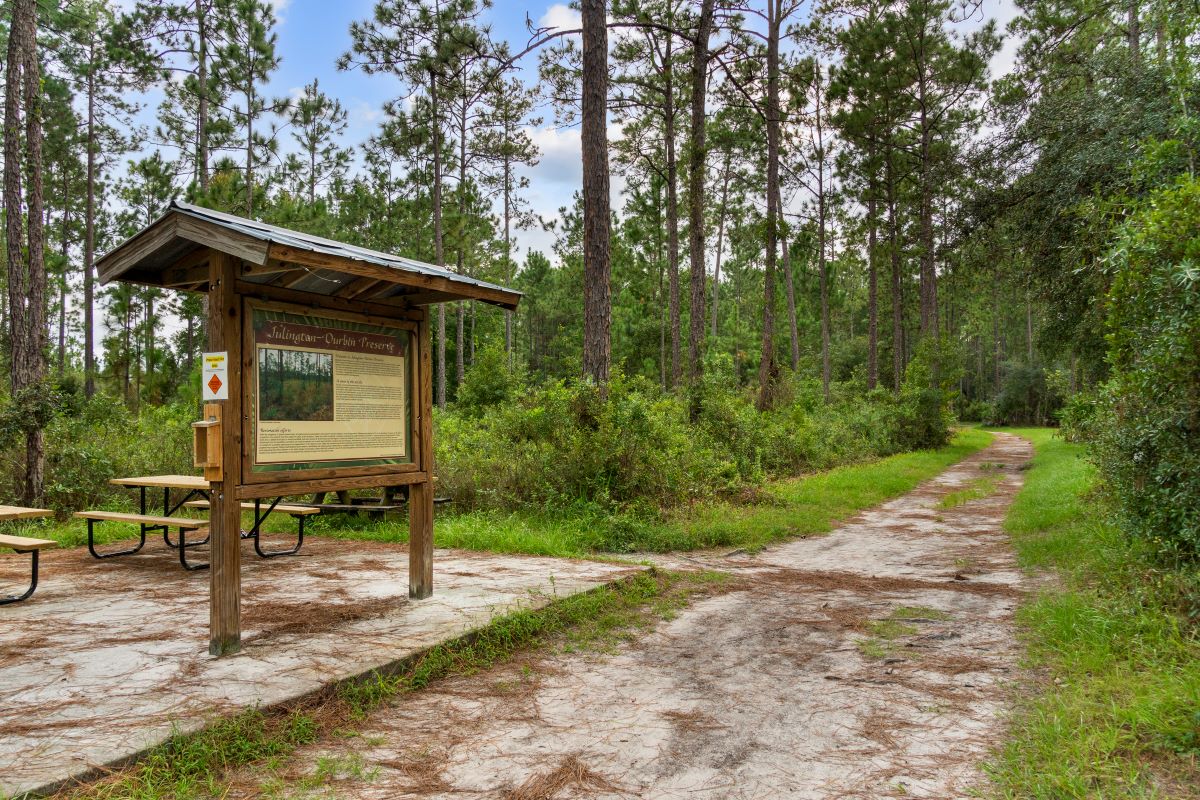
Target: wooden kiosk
328	374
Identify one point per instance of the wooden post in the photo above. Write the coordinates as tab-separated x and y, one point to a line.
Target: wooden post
225	516
420	495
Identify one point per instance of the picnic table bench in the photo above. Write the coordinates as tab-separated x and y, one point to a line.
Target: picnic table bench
394	498
24	545
296	512
148	522
195	496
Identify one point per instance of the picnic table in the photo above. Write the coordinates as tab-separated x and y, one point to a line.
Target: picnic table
193	486
194	495
24	544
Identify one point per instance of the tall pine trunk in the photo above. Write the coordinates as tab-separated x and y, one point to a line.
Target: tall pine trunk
89	241
696	162
716	289
766	367
597	297
508	261
26	265
790	283
249	148
202	101
894	255
872	282
439	255
459	310
62	292
822	262
672	213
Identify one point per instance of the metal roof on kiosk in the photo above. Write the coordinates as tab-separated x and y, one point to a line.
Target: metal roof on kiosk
169	253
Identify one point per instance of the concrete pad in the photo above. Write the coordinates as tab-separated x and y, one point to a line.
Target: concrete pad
110	658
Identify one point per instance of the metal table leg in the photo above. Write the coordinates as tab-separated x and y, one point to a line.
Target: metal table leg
259	519
129	552
33	557
183	548
169	509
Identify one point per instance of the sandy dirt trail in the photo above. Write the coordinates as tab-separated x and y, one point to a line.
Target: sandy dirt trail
872	662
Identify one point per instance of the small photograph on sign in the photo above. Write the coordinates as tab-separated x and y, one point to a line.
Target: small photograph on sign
295	385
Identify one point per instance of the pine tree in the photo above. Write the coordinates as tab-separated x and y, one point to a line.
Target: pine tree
243	62
25	243
697	158
66	187
192	115
317	121
942	79
420	43
109	65
648	97
597	268
510	147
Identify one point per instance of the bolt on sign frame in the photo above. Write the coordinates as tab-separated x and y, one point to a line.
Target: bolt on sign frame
334	326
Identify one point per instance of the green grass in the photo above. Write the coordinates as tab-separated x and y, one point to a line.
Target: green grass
1115	712
803	506
199	765
977	489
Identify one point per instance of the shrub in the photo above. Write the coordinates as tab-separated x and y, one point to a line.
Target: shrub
89	442
1078	417
923	416
567	443
491	381
1026	397
641	450
1146	430
974	410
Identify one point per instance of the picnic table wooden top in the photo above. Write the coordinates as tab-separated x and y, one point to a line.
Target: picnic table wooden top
164	481
9	513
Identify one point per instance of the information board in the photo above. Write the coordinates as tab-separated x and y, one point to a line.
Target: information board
328	393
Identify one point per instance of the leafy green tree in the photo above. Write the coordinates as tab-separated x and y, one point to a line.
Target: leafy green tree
108	66
506	140
25	233
650	102
65	192
943	78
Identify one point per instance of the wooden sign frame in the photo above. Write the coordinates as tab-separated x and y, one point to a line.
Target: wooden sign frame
282	482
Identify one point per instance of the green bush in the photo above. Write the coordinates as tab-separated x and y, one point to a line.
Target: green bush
1026	397
923	416
491	381
567	443
1078	417
89	442
641	450
1146	429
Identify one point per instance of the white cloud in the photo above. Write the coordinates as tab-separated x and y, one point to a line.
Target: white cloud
560	160
1001	12
363	113
560	16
